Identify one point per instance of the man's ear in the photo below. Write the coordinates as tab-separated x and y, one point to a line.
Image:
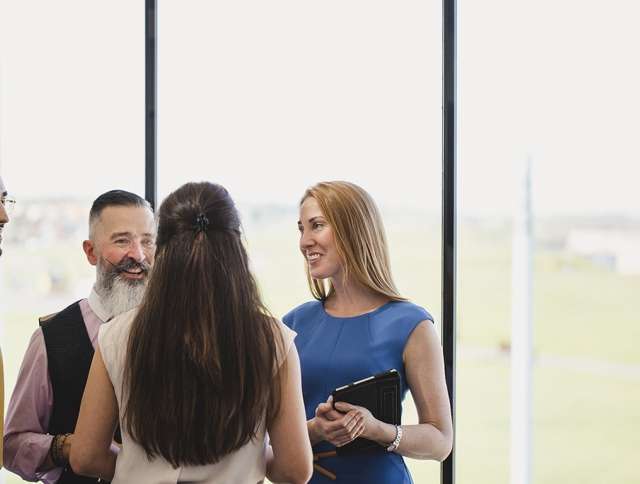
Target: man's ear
89	249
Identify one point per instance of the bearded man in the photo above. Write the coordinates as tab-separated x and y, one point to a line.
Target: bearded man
45	403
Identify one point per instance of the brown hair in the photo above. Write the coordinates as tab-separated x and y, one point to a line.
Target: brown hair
201	357
359	237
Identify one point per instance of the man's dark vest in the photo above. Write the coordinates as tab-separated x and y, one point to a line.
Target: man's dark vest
69	355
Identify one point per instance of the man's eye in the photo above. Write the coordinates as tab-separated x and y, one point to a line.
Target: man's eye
147	243
121	241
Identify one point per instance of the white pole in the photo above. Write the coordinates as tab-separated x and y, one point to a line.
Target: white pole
521	329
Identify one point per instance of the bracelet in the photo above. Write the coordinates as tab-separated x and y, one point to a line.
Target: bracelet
56	452
396	442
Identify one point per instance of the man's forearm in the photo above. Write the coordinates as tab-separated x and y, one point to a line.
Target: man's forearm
58	455
26	442
26	453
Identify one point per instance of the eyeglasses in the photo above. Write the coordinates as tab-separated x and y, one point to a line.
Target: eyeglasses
8	204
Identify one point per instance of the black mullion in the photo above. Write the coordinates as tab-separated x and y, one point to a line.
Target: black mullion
151	177
447	475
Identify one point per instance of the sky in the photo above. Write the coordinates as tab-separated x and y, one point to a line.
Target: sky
268	98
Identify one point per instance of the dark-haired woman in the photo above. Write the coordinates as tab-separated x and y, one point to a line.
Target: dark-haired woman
200	373
358	326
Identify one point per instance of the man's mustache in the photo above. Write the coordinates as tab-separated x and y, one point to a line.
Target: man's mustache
130	265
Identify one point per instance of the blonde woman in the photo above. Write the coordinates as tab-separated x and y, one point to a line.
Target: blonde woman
359	325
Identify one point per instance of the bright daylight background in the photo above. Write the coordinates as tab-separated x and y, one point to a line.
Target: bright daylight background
268	98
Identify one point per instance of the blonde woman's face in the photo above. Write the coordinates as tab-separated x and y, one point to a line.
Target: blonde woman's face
317	243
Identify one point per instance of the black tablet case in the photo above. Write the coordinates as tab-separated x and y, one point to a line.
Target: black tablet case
381	395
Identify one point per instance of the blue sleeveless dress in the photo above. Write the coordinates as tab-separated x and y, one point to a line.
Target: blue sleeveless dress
336	351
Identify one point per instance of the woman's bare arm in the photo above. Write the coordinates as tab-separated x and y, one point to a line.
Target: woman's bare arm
91	452
432	437
290	458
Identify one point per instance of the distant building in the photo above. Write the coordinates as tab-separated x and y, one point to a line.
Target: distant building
617	249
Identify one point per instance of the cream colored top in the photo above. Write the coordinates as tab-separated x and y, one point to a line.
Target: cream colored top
247	465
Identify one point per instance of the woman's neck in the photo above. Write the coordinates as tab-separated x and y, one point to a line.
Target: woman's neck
350	299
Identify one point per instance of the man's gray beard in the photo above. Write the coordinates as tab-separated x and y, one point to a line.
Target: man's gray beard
117	294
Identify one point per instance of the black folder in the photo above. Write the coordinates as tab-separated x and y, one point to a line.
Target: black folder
381	395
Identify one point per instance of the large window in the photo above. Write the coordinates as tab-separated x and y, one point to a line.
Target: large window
555	83
269	98
71	127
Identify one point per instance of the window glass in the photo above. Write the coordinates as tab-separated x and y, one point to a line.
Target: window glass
269	98
71	127
553	83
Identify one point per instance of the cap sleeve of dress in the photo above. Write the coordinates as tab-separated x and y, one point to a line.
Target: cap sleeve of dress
112	341
288	335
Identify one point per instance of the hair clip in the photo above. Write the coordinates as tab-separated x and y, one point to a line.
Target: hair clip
202	222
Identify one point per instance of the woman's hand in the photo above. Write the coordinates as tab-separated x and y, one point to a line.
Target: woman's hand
370	425
335	427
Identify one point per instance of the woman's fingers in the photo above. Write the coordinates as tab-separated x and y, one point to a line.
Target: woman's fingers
327	411
345	422
358	430
353	435
355	419
323	408
342	428
347	428
345	407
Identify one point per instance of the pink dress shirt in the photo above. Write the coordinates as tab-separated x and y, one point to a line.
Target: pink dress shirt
26	442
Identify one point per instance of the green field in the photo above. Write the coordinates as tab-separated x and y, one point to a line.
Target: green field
587	373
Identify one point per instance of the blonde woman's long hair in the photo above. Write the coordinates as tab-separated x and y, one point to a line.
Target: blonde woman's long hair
359	237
